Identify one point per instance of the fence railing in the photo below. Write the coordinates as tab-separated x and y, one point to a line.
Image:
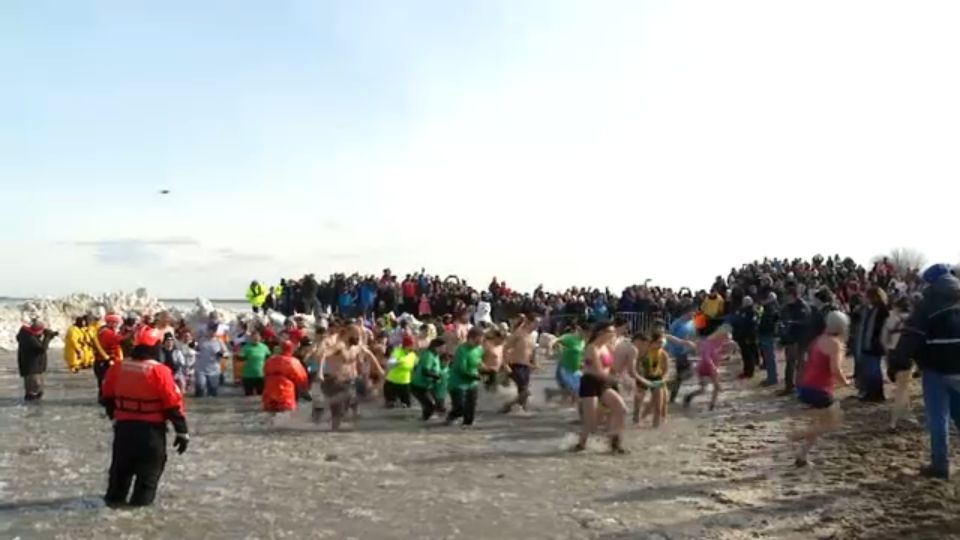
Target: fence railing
639	322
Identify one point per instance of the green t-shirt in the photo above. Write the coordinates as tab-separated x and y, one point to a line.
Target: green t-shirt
426	371
465	371
571	354
254	357
441	388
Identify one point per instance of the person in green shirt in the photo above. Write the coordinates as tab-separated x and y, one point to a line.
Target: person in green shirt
254	354
571	359
426	375
465	378
441	389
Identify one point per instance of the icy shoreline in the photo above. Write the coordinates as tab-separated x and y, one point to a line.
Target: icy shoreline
59	313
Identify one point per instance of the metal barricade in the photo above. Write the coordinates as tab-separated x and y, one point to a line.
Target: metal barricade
645	322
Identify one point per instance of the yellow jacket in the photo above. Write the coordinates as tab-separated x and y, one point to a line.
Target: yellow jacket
96	350
712	307
256	295
73	345
402	370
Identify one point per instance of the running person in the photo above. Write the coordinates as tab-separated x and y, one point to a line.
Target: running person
597	386
653	367
493	342
571	345
465	379
711	351
519	354
821	373
682	329
426	375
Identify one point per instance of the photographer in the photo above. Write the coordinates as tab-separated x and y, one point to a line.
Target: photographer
33	340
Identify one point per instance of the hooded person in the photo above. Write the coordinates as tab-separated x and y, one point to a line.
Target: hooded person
256	296
283	379
33	340
931	336
111	343
74	343
141	396
94	351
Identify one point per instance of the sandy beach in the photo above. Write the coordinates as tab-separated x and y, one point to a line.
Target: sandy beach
725	474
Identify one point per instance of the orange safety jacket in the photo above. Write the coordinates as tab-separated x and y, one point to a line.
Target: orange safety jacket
282	376
141	390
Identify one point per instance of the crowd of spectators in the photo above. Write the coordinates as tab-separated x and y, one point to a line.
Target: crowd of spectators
834	280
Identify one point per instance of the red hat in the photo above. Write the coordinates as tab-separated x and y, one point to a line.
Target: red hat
287	347
408	342
147	336
113	318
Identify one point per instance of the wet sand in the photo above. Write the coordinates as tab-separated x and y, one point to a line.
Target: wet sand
726	474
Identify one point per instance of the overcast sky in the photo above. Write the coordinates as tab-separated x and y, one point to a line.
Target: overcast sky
554	141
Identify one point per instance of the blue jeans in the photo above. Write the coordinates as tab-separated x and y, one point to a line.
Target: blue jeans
941	397
870	375
768	351
206	384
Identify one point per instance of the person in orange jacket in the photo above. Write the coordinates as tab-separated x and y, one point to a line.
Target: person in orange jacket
111	343
140	396
283	376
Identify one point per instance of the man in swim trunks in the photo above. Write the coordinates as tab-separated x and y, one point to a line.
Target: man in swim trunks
338	372
519	355
624	359
493	342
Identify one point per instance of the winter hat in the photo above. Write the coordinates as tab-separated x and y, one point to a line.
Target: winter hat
935	272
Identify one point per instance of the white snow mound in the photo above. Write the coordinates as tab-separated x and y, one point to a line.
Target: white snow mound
59	313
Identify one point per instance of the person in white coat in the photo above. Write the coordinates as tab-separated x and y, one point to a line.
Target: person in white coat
482	314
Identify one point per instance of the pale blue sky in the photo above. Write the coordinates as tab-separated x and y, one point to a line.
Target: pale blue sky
308	135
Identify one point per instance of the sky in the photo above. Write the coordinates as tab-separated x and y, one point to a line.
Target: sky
558	142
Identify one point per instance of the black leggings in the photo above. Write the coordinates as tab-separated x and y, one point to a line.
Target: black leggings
252	386
428	402
393	392
463	405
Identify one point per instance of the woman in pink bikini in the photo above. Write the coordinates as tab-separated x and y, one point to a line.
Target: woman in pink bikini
711	351
820	374
597	386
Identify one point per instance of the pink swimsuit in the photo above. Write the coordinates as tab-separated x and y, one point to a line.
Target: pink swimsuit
709	363
606	360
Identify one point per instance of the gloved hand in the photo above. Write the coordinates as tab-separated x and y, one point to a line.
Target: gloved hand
180	443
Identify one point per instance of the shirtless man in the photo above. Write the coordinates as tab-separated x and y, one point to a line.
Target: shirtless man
624	358
369	370
492	358
518	351
457	335
624	370
339	367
